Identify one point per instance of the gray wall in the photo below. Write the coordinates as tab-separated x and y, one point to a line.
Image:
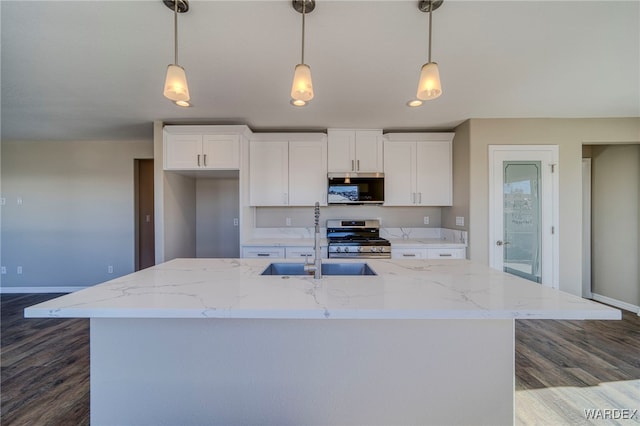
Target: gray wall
217	204
569	135
77	212
616	222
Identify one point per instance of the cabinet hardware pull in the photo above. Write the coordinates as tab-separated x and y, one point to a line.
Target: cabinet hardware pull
263	254
419	197
409	254
358	165
445	255
305	254
198	160
353	167
205	160
413	197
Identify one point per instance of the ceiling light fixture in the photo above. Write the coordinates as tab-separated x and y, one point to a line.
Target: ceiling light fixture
302	87
429	86
175	85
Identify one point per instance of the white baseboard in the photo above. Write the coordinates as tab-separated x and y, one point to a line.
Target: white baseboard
617	303
40	289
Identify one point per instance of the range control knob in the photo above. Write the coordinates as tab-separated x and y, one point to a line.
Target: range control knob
338	249
372	249
346	249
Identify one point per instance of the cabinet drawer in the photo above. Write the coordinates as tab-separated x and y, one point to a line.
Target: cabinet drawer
408	253
277	252
453	253
303	252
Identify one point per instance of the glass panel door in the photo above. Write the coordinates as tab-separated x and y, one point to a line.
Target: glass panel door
522	230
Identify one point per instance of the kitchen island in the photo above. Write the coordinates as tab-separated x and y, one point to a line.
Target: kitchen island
212	341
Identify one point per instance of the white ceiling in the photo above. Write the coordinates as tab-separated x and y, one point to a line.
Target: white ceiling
95	69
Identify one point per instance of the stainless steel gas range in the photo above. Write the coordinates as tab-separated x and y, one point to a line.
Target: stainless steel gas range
355	239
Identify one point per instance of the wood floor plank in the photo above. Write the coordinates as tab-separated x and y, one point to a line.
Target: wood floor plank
562	368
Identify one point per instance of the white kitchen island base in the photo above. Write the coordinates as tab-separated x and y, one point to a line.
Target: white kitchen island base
185	371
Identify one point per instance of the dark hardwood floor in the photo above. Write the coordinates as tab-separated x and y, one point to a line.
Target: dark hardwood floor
562	368
44	366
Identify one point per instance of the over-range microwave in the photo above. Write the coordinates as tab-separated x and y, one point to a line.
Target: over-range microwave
355	188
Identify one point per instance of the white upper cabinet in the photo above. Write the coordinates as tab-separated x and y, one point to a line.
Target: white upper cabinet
287	169
307	172
199	148
268	173
354	150
418	169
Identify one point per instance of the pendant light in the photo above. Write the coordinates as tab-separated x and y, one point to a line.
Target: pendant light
302	87
429	86
175	85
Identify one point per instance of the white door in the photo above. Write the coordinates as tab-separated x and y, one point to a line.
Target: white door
307	173
221	151
268	173
523	196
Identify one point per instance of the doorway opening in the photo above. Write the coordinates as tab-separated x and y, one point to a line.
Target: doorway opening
144	222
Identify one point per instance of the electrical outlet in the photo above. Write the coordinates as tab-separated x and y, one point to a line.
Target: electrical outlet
288	221
19	270
426	220
459	220
3	270
19	201
110	269
236	221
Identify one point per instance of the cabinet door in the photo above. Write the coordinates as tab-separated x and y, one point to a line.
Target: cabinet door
268	173
457	253
399	173
307	173
182	152
277	252
341	150
434	173
369	151
221	152
408	253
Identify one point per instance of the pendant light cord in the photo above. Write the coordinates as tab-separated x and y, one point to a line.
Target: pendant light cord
304	3
430	26
175	31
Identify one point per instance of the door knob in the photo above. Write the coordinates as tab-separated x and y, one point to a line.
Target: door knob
500	243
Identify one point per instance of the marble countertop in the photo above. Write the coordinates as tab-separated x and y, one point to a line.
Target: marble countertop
403	289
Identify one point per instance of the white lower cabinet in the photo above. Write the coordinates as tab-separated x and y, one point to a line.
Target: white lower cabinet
295	252
304	252
428	253
446	253
408	253
277	252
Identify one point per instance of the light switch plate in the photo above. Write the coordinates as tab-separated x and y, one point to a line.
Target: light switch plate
459	220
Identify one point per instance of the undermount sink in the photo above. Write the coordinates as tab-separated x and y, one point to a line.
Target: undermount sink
327	269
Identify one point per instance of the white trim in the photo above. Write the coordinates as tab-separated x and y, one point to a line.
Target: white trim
617	303
6	290
555	212
586	228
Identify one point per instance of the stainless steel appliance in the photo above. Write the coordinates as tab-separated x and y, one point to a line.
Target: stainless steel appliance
355	239
355	188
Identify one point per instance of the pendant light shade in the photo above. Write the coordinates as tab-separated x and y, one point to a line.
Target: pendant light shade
302	87
429	85
176	88
175	85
